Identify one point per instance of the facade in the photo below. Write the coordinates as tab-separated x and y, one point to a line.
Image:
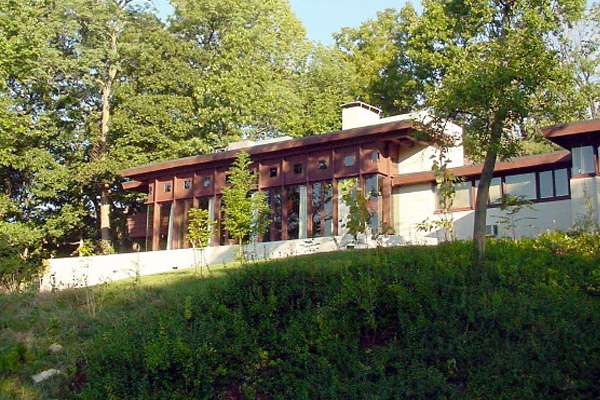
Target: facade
391	159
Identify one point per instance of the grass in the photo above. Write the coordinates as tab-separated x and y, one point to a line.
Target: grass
413	322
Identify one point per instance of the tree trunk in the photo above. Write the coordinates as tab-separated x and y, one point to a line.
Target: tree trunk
241	250
104	128
483	190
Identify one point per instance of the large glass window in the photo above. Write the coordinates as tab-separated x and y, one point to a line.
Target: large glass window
495	190
521	185
149	227
297	207
322	209
343	209
546	184
561	182
462	196
273	223
583	160
373	187
166	226
182	209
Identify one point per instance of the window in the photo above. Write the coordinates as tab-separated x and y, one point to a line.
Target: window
297	168
349	161
561	182
521	185
273	172
187	184
373	189
546	184
322	209
583	160
322	164
462	197
495	190
375	156
228	178
207	181
168	187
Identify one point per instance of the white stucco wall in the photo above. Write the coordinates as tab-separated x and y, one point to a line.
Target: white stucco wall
63	273
584	192
416	159
414	204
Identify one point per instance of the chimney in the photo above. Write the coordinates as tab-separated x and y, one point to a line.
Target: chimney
357	114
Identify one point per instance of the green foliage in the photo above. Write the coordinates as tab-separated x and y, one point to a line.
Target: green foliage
200	227
358	216
385	73
511	206
490	63
200	230
245	209
405	322
387	323
446	191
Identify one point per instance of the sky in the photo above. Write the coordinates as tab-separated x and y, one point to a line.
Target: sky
321	18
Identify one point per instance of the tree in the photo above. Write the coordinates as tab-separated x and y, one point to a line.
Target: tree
244	59
385	73
490	59
200	230
358	211
245	209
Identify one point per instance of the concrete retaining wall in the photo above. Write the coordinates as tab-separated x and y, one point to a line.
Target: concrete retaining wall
64	273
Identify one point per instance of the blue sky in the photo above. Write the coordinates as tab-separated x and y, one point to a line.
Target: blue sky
321	18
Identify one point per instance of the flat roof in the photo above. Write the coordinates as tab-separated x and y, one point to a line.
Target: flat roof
389	128
468	171
574	133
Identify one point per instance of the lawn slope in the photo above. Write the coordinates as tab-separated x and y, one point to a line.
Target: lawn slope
412	322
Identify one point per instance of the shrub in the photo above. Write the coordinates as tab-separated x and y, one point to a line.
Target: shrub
414	322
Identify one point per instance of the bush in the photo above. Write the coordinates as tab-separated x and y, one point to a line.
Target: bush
414	322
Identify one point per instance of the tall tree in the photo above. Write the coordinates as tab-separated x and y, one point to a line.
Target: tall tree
491	58
385	73
245	209
579	47
244	61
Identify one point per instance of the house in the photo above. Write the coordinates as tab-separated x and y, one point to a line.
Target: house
391	159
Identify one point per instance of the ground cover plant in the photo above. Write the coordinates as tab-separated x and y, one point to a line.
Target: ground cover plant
411	322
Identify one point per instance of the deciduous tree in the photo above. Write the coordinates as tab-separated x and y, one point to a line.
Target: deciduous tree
490	59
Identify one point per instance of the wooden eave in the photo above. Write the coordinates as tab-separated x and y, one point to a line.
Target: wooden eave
470	171
573	134
384	132
135	185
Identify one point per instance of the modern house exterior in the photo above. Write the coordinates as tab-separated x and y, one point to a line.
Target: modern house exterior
391	159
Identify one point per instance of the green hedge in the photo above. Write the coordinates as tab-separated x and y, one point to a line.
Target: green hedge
414	322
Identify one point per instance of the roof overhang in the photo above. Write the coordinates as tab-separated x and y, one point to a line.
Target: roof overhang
574	134
470	171
400	132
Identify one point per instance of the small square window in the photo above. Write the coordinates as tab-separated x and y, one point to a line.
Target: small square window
187	184
297	168
322	164
349	161
207	181
168	187
273	172
375	156
228	178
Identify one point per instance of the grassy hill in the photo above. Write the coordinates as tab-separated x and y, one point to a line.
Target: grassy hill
412	322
